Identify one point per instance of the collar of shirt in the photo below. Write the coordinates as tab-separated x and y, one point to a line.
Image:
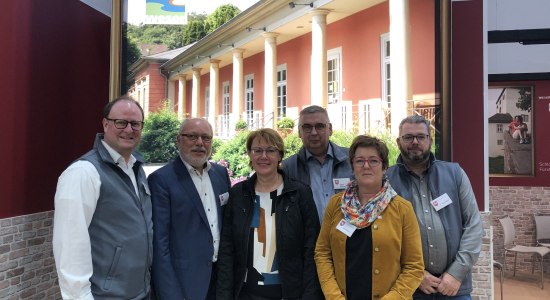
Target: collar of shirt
192	169
118	159
330	153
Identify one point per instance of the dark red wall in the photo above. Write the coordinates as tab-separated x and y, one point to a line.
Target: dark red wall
541	124
54	81
467	92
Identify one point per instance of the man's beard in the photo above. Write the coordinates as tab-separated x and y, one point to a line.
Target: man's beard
414	158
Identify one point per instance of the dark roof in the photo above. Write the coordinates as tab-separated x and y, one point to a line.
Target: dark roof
501	118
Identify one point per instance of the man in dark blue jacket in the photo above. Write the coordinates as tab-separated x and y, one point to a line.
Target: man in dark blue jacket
187	196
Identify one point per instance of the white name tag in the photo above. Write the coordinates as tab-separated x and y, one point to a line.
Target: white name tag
346	227
441	201
340	183
224	198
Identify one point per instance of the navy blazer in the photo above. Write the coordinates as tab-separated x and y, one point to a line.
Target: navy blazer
182	240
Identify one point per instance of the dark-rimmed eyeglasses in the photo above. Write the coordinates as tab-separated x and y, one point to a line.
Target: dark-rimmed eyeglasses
319	127
122	124
408	138
371	161
271	152
195	137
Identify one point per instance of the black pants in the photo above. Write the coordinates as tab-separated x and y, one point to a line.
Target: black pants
211	295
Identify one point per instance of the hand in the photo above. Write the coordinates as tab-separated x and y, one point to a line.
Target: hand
449	285
429	283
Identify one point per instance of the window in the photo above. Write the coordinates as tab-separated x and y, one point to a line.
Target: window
499	128
225	107
499	142
281	91
249	98
207	102
386	78
334	75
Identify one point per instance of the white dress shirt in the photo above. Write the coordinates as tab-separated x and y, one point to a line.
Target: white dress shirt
206	192
76	198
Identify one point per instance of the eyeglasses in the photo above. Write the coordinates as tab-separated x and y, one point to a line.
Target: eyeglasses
195	137
409	138
122	124
319	127
372	161
271	152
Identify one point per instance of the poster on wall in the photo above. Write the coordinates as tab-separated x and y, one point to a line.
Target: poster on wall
510	126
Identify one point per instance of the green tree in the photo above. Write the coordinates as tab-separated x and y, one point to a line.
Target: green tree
130	55
158	141
524	100
194	31
220	16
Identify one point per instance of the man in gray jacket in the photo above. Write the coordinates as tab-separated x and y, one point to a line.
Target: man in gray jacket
320	163
446	209
103	230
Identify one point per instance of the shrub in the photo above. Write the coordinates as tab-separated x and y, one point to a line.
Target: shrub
285	123
158	141
293	143
241	125
233	152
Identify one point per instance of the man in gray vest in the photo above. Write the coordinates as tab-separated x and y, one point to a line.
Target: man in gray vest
321	164
102	237
446	209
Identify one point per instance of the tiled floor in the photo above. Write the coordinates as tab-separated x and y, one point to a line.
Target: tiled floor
525	286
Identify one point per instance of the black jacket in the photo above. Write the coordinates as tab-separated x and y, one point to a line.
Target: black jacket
297	228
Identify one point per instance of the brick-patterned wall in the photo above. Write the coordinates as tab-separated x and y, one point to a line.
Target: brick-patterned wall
482	272
27	268
520	203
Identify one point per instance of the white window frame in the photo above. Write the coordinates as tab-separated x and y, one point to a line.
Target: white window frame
207	102
385	61
249	99
334	96
281	91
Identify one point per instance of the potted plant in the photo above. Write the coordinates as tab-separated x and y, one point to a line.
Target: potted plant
241	125
285	126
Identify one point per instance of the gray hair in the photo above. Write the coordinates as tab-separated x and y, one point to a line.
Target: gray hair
312	110
415	119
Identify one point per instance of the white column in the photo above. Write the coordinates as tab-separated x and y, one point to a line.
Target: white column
195	97
182	86
319	93
399	62
214	91
270	79
238	83
171	93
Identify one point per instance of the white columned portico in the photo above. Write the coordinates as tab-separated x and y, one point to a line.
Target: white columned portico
319	93
270	79
400	89
214	91
238	85
182	92
195	93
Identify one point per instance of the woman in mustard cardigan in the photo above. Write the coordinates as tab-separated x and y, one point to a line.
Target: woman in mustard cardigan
369	245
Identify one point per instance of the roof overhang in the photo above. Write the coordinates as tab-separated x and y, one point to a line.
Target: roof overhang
273	16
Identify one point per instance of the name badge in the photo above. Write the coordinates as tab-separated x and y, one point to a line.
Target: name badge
441	201
346	227
224	198
340	183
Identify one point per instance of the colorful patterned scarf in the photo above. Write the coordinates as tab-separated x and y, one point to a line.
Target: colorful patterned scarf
363	216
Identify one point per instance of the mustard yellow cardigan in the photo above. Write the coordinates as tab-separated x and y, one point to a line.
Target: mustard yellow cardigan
397	263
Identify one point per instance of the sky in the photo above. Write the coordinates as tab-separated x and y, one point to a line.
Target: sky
136	8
